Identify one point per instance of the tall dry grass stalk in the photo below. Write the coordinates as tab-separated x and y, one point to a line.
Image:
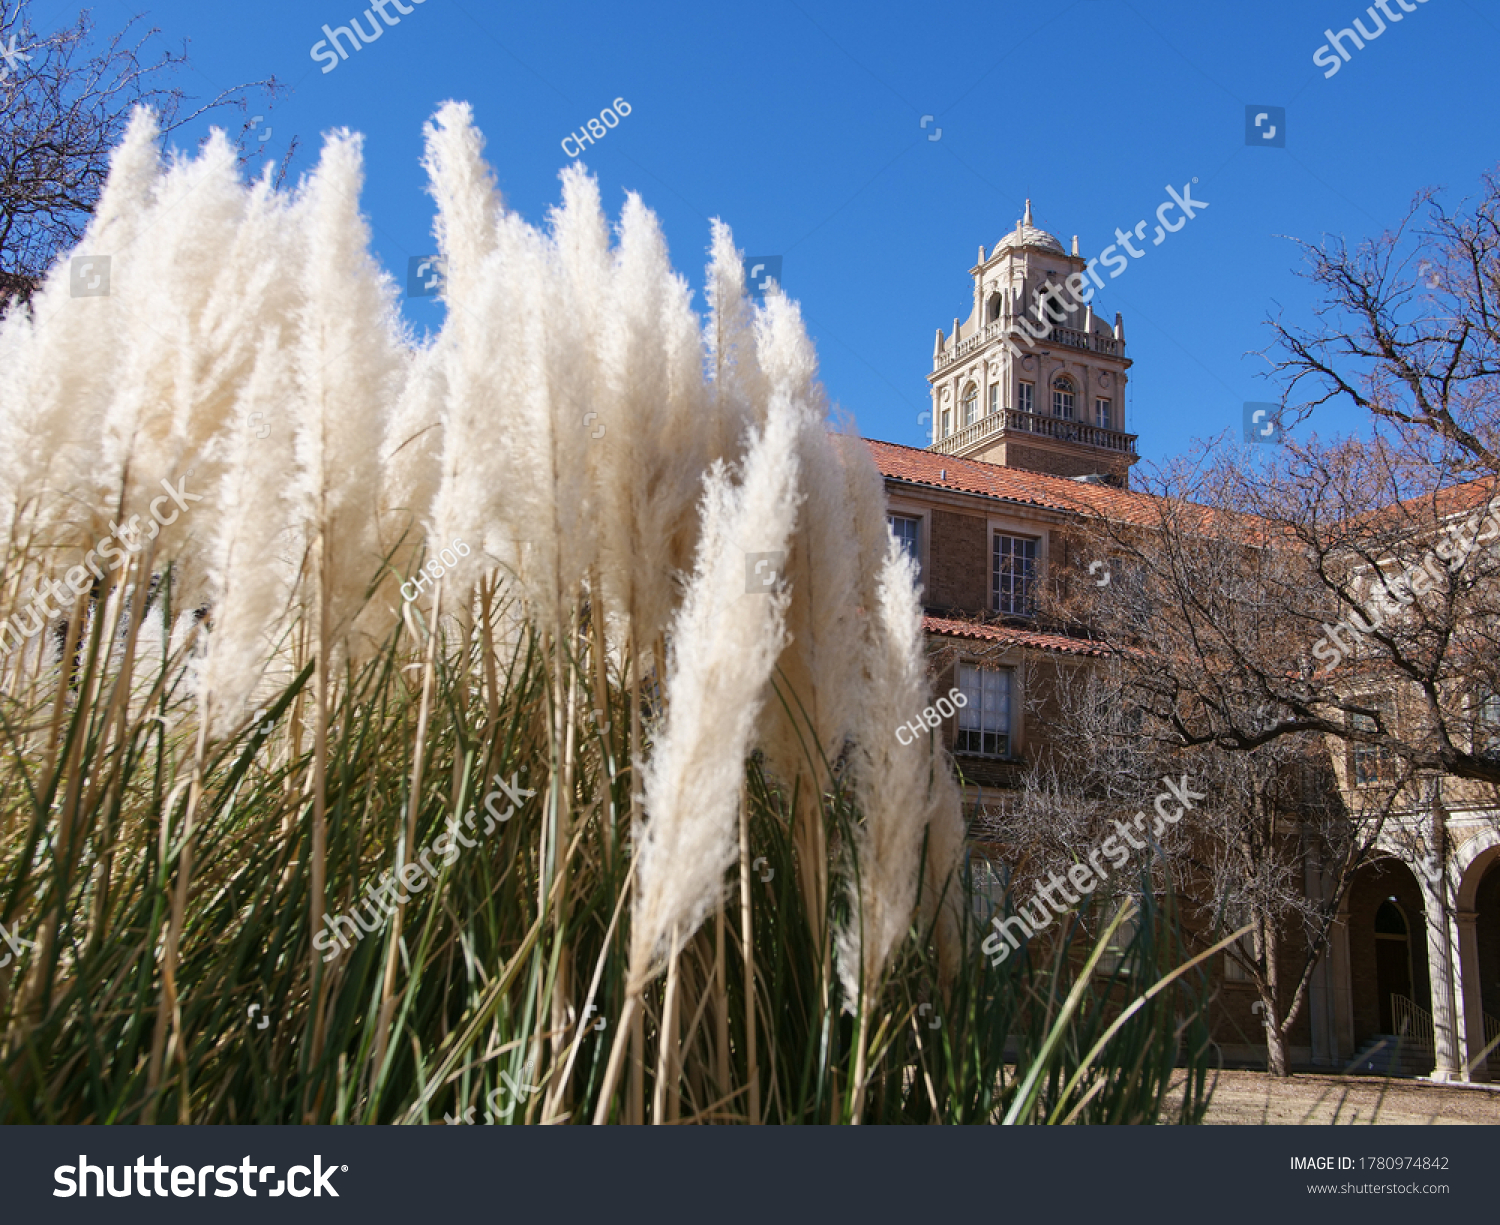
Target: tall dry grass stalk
453	703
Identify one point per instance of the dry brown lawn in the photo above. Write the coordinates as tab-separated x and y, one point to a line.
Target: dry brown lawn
1254	1097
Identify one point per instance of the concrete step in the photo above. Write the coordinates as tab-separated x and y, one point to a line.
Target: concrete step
1388	1055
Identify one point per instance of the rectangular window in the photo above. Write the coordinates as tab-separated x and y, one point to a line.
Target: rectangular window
1371	763
1487	724
1014	575
1062	403
1117	951
984	720
1026	397
1235	917
1102	415
943	427
988	888
994	398
905	528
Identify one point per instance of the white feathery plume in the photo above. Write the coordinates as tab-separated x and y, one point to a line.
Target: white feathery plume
254	552
942	814
468	204
691	433
572	280
724	644
487	494
819	670
942	889
890	781
184	311
60	359
348	369
501	391
647	477
738	388
412	453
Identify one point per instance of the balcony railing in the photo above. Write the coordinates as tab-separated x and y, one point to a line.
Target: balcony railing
1009	420
1069	337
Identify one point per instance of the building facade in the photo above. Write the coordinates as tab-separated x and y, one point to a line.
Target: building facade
1029	437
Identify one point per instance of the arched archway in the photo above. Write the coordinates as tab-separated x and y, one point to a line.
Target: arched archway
1387	946
1478	921
1393	960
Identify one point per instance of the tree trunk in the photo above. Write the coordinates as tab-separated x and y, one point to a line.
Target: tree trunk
1275	1027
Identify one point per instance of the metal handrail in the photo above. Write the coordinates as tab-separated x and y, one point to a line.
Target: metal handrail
1412	1023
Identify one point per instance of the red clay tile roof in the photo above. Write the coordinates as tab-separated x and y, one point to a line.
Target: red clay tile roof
1056	493
1442	504
1012	484
1006	635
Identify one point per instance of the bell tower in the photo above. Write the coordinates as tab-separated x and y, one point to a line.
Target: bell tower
1033	378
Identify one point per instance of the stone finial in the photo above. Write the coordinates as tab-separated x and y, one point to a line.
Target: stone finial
1026	220
1119	326
981	253
1075	246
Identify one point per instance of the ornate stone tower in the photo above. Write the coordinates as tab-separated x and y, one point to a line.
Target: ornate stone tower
1033	379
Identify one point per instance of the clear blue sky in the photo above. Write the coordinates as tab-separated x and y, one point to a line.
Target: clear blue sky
800	123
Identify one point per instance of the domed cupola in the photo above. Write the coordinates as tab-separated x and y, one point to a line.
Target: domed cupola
1027	235
1035	376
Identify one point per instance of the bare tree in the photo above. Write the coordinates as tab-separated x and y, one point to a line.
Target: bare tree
1409	329
1240	858
66	99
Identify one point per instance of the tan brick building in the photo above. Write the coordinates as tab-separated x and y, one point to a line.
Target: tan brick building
1029	437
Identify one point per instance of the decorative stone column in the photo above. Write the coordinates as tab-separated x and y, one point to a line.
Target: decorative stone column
1342	974
1447	1041
1319	1012
1464	922
1330	998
